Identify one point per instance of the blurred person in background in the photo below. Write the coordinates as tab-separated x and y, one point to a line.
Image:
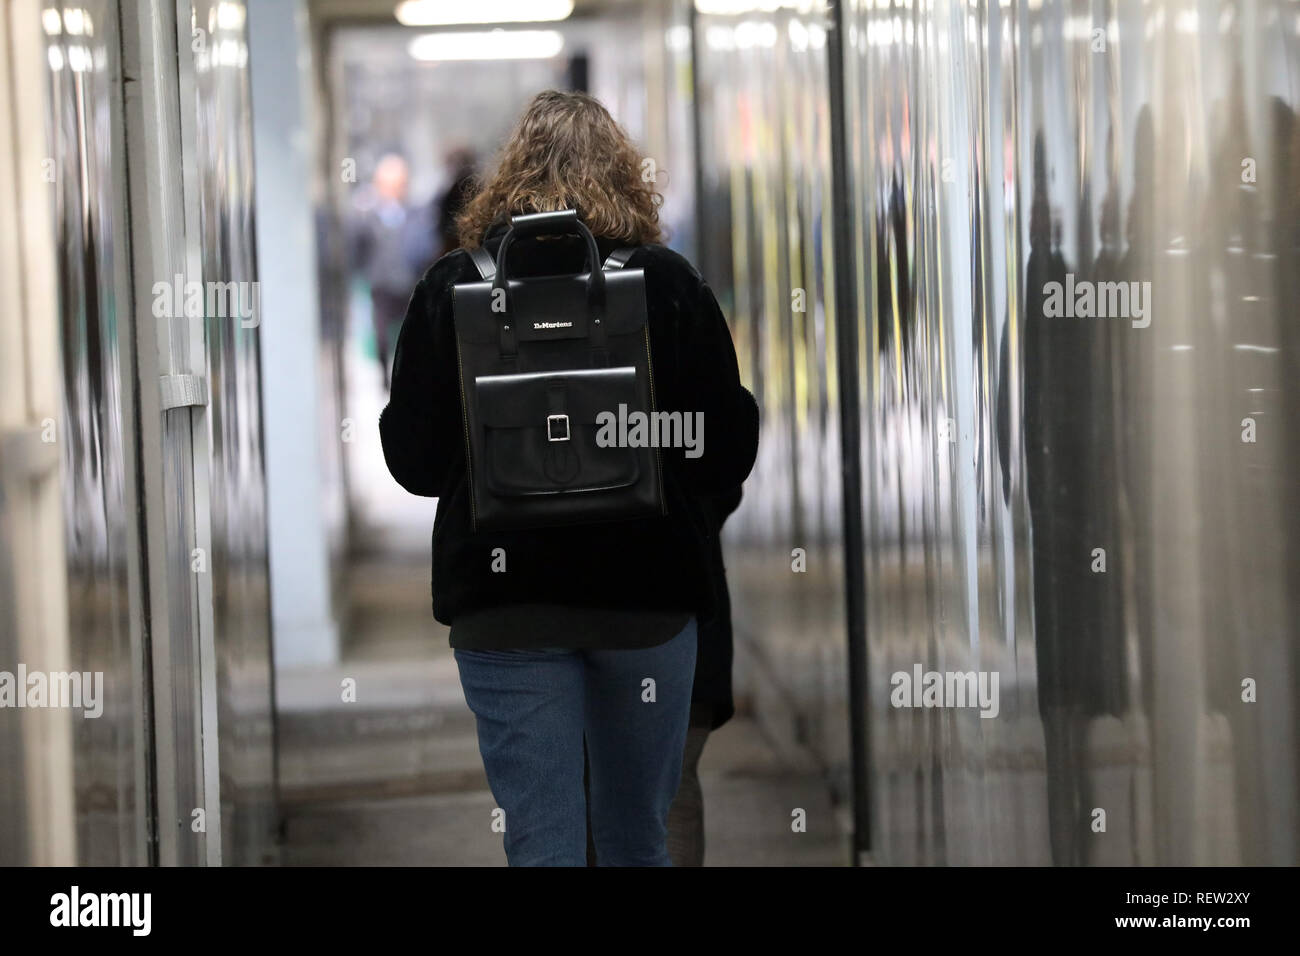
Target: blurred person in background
435	234
386	240
462	170
553	654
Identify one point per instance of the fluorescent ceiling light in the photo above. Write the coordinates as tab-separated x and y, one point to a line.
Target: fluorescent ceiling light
493	45
737	7
74	22
438	13
230	16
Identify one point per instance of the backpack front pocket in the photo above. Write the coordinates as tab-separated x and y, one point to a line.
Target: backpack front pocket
549	433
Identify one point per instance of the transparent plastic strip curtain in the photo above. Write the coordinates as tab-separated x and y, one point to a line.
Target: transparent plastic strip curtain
82	49
222	141
765	249
1076	252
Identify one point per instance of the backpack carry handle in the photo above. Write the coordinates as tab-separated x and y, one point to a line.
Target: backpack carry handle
541	223
561	222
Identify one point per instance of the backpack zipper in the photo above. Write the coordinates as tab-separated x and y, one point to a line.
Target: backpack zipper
654	407
464	419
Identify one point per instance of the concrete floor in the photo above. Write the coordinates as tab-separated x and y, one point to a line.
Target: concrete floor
395	778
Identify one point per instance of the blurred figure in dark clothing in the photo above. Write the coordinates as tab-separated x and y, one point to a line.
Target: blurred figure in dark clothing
384	235
448	204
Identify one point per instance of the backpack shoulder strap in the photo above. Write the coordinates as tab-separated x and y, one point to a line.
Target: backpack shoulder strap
618	258
483	261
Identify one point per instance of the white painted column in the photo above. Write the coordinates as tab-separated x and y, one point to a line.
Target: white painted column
305	631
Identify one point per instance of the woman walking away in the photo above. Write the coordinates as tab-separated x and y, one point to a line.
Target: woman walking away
584	632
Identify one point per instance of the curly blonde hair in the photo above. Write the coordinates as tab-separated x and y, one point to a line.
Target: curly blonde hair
567	152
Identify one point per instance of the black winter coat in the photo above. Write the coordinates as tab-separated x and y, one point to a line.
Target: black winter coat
715	648
663	563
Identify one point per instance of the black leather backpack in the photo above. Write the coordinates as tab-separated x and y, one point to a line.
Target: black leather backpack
543	364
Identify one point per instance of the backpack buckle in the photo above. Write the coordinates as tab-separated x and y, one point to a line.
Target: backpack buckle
557	427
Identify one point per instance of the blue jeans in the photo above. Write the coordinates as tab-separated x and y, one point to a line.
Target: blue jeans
533	708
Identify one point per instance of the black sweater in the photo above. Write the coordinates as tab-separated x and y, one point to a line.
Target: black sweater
654	564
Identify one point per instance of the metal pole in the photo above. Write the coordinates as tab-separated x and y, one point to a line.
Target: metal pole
846	338
698	151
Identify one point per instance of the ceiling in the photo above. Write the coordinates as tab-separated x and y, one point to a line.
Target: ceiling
381	11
